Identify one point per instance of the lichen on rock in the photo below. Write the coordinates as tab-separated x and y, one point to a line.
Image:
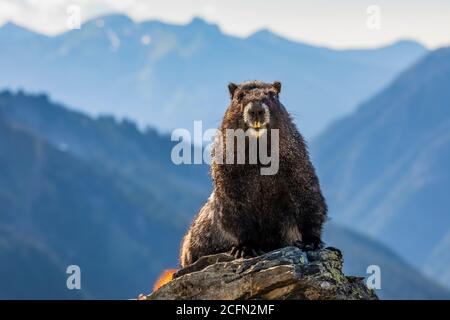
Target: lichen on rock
287	273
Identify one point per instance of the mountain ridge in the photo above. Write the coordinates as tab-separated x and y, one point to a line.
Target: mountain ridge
387	177
57	210
175	74
197	20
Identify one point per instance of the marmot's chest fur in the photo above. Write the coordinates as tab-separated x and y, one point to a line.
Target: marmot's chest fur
260	206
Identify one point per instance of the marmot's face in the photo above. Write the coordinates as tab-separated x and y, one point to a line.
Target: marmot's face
256	114
253	104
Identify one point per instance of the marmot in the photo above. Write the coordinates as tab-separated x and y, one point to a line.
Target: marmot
249	213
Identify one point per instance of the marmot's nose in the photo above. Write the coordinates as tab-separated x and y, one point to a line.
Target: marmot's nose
256	110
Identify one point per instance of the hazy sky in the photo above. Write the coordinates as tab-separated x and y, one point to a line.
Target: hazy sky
339	24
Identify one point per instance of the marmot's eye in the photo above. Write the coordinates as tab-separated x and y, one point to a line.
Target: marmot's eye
241	95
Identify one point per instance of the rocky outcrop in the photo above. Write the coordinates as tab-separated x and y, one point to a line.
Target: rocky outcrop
287	273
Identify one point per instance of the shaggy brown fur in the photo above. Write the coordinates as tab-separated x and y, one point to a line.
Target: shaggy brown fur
249	213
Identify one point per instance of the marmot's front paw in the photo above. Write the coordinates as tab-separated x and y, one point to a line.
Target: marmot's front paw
308	246
245	252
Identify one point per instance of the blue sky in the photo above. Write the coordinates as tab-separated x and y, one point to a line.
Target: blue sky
339	24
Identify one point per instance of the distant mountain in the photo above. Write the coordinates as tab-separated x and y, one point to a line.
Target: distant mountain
30	271
398	279
142	157
385	169
167	75
56	210
73	191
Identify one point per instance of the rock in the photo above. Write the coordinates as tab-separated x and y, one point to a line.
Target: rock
287	273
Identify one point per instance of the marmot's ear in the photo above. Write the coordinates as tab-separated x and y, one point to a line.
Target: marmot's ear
277	86
232	88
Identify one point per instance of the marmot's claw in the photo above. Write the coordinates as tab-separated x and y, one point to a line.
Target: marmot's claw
320	245
243	252
299	244
236	252
308	246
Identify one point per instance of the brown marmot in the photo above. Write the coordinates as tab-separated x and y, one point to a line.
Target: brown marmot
249	213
